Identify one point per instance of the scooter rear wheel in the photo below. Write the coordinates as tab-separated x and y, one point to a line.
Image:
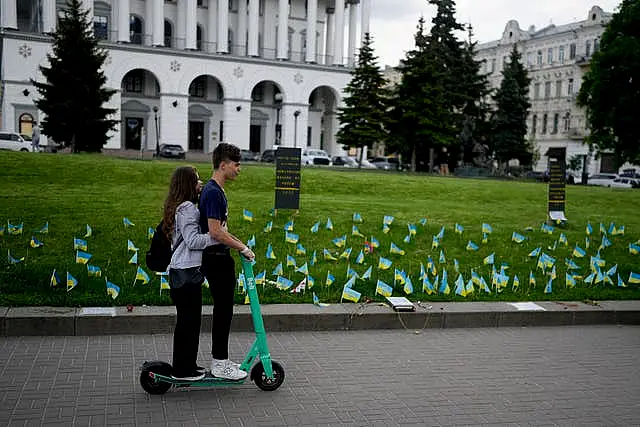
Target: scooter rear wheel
151	385
261	380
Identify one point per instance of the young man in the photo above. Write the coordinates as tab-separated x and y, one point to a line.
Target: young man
217	264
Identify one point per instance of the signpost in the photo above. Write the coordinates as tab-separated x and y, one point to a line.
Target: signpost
557	182
288	178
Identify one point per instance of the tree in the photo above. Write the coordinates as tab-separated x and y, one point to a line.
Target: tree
74	93
512	109
611	88
363	117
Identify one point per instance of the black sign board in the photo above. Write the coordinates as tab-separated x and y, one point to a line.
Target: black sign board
288	178
557	181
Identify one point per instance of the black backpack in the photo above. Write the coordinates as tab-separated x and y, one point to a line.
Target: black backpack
160	252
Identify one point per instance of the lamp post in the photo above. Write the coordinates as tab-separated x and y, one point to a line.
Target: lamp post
155	112
277	100
295	128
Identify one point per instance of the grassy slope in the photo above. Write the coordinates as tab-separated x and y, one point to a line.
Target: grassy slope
72	191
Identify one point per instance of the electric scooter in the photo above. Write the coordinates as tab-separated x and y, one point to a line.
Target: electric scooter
268	375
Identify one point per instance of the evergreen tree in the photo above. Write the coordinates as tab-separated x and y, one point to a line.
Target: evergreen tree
512	108
611	88
363	117
74	93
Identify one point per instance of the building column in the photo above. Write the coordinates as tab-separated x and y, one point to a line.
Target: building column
254	27
211	25
123	21
338	45
312	18
147	36
191	24
181	24
223	26
237	120
49	16
328	47
158	23
353	22
294	131
241	35
9	14
283	29
366	17
174	121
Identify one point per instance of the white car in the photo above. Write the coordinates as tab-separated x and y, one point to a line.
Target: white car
625	183
314	156
602	180
13	141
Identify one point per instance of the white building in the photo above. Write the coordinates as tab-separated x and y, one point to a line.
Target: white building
197	72
557	58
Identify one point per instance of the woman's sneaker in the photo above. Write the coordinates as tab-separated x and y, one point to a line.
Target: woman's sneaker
227	369
193	376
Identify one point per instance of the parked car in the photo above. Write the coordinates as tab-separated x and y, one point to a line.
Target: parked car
314	156
344	161
387	163
268	156
172	151
602	180
13	141
625	183
249	156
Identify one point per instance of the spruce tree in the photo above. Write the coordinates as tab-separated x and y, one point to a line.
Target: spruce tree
74	94
362	119
512	108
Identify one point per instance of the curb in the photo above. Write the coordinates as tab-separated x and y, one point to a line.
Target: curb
92	321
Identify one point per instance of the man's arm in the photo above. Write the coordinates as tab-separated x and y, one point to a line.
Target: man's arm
223	236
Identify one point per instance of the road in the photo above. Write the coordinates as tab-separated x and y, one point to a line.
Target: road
567	376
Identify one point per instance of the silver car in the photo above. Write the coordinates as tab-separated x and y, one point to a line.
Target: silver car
13	141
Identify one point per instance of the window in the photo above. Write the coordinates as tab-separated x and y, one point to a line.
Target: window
544	124
536	91
558	88
561	54
26	124
547	90
530	58
596	45
168	33
556	120
221	131
570	87
230	41
133	81
534	124
572	51
550	55
29	15
587	48
539	57
198	37
256	94
101	27
198	87
567	122
493	65
308	136
233	7
135	29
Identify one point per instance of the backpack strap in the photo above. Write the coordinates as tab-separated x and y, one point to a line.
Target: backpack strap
180	240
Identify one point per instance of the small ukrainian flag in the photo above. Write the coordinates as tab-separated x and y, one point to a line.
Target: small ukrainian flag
291	238
79	244
270	254
71	282
350	294
35	243
94	271
142	275
330	279
127	223
55	280
315	227
247	215
394	249
134	259
82	257
131	247
384	264
112	289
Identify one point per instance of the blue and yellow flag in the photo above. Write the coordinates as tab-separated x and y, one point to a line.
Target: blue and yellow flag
247	215
261	278
578	252
164	283
612	270
590	278
300	250
356	232
35	243
442	259
314	258
569	281
112	289
621	283
394	249
634	249
634	278
548	289
268	227
71	282
384	264
330	279
546	228
413	230
387	220
134	258
82	257
603	230
340	241
15	230
484	286
142	276
398	276
357	217
316	301
55	279
127	223
605	243
150	232
469	289
489	260
130	246
1	230
291	261
456	265
619	231
589	229
408	285
383	289
385	228
278	270
252	242
460	289
283	283
423	272
345	254
288	226
423	221
89	231
93	271
444	284
563	240
350	294
351	272
45	229
291	238
459	229
79	244
517	237
315	227
360	257
374	242
475	278
441	233
487	229
329	225
304	269
485	238
532	279
427	286
435	243
472	246
270	254
328	256
571	265
367	273
612	228
407	238
534	253
516	283
351	281
587	242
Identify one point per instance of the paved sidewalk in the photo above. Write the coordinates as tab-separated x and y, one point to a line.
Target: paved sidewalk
567	376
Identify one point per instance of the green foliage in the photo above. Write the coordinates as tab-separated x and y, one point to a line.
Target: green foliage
512	109
611	88
74	94
363	118
69	192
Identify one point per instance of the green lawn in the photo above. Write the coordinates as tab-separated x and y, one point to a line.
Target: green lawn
71	191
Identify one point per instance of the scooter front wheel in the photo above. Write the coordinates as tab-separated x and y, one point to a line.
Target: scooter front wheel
151	385
261	379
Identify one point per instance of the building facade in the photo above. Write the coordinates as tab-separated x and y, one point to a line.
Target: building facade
557	58
198	72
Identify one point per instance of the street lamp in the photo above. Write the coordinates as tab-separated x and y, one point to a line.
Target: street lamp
155	112
295	128
277	99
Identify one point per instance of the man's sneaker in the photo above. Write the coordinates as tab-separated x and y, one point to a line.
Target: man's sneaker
194	376
227	369
200	370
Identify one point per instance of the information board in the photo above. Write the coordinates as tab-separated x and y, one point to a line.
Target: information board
288	178
557	183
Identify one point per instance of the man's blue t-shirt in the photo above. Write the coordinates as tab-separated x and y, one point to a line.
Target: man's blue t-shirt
213	204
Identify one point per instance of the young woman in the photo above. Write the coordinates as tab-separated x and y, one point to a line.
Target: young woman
181	226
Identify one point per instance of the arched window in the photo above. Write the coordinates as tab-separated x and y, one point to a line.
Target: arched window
534	124
25	124
198	37
230	41
29	16
135	29
168	34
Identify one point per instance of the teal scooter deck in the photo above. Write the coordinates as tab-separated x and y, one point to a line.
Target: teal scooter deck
268	375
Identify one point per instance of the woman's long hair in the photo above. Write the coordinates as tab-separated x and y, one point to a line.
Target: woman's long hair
181	189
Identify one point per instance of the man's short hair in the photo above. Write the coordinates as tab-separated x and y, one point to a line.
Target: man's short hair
225	153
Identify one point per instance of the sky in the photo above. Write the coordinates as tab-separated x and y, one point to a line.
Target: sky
393	22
